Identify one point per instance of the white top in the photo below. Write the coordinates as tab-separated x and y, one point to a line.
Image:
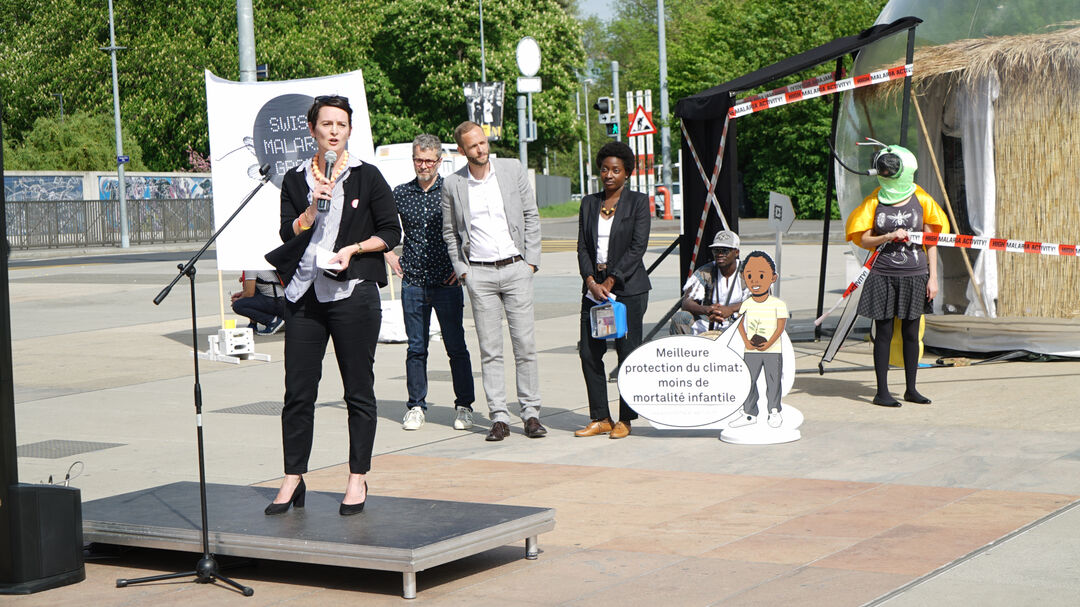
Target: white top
695	289
603	235
325	235
266	282
489	234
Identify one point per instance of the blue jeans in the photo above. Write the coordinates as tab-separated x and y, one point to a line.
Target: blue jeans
260	308
417	302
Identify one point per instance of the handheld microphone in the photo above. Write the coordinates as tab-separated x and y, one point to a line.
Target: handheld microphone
330	159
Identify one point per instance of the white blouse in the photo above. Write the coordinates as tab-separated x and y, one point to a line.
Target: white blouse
603	235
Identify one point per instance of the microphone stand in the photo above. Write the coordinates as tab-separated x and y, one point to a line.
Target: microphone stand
206	570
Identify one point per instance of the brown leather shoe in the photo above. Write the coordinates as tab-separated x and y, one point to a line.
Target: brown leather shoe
599	426
533	428
621	430
499	431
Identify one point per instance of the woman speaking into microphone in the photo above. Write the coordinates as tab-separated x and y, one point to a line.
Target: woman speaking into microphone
343	207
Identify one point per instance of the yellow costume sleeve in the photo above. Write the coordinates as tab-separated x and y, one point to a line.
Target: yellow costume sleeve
862	218
934	219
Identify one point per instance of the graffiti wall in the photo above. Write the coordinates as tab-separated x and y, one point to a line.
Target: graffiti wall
155	187
43	187
32	186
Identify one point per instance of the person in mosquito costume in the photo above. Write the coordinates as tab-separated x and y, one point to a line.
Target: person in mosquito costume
903	281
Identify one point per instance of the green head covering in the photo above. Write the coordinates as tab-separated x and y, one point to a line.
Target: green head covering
899	187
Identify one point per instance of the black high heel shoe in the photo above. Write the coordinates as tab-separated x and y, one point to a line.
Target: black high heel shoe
297	500
351	509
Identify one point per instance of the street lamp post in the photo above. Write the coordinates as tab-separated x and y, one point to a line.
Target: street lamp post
580	156
483	62
665	128
588	130
120	158
245	39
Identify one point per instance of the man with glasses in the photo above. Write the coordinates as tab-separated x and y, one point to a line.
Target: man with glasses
714	292
429	283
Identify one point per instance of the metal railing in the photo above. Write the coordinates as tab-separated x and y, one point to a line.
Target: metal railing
54	224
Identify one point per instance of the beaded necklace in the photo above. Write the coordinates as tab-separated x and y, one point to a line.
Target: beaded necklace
339	168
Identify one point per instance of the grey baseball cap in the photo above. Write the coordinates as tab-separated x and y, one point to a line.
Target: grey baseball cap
725	238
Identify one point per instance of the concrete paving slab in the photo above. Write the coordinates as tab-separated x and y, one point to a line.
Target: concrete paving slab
96	361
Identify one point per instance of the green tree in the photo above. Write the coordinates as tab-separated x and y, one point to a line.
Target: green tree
415	55
8	150
713	41
785	149
79	142
428	48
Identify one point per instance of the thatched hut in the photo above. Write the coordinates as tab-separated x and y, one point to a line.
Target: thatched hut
1003	117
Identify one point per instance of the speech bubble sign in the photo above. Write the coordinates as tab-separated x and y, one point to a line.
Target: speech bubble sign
685	381
280	134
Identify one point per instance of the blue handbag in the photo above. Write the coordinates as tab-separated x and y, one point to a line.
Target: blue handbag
608	320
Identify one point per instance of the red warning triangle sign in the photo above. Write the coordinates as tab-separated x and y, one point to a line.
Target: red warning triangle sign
641	123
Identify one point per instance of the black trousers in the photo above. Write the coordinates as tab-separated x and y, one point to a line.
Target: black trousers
353	323
592	351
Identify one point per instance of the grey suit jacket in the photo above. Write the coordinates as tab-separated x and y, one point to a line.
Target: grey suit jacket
522	218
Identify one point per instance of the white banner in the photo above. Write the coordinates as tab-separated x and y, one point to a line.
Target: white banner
256	123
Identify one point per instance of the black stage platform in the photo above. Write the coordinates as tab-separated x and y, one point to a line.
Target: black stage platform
392	534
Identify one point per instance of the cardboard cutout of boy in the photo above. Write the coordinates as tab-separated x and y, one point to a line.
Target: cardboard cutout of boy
767	352
764	318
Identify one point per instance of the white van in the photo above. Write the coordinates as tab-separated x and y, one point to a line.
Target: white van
395	162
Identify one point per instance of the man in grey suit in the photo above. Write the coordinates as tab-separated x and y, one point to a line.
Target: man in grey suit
492	232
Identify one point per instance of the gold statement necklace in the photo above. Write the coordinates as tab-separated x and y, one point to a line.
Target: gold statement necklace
339	167
606	212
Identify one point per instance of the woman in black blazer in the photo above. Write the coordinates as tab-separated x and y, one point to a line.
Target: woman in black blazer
358	222
613	232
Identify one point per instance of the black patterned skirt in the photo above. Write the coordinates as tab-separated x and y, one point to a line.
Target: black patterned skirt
886	297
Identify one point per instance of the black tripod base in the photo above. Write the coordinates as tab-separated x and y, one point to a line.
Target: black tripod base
206	572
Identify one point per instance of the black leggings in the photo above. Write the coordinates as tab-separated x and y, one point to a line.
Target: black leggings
909	333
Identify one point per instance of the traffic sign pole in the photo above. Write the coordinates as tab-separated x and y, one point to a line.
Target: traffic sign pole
779	276
781	216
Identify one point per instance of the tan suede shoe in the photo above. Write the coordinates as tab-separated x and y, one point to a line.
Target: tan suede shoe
621	430
600	426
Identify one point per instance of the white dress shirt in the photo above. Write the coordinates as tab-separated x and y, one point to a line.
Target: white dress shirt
489	234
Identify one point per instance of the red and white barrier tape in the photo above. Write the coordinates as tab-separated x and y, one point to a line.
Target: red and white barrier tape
822	79
710	194
964	241
961	241
893	73
855	284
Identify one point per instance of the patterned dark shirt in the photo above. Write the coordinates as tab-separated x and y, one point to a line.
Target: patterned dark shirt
424	259
900	258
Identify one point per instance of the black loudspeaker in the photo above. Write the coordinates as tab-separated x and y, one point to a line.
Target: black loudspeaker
46	548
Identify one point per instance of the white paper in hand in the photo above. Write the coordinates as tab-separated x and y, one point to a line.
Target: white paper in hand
322	259
588	295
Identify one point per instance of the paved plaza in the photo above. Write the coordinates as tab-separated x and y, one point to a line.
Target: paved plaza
970	500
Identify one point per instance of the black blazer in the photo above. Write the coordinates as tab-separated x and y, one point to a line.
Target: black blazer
374	215
626	245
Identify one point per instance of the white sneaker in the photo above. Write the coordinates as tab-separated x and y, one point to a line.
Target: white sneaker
463	421
414	419
743	420
775	419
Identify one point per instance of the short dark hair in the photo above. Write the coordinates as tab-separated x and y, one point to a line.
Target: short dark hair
753	254
619	150
463	128
341	103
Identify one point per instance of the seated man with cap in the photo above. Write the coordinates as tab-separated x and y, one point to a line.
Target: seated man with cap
714	292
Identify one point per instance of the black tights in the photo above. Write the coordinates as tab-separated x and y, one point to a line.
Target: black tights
909	333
